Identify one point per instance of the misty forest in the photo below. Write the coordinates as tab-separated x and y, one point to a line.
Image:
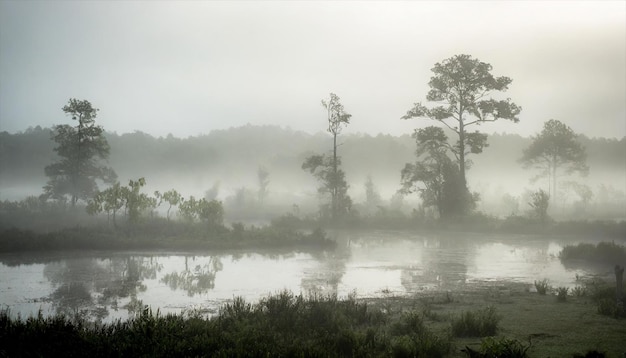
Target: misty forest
260	240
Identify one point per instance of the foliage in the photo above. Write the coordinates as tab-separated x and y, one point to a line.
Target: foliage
435	176
279	325
540	200
263	177
462	84
556	146
326	168
492	347
114	198
333	183
210	212
81	149
479	323
561	294
542	286
372	196
172	197
602	252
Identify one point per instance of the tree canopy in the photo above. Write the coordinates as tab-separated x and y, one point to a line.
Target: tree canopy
462	87
557	146
82	150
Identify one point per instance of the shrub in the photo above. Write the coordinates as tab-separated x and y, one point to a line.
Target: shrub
476	324
503	347
579	291
600	253
561	294
542	286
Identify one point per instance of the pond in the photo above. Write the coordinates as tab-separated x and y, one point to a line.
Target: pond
110	285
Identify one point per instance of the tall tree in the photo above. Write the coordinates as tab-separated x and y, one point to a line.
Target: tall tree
82	150
327	169
434	175
462	87
555	147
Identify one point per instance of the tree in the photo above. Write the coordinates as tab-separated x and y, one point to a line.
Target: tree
372	197
434	175
264	181
327	169
539	202
555	147
333	182
82	149
110	201
173	198
463	86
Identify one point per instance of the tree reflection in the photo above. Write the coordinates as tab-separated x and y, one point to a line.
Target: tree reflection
444	266
197	280
90	287
324	280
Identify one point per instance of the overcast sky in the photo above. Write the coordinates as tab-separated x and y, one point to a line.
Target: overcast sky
187	68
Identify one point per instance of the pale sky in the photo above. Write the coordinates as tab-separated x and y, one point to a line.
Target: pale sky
189	67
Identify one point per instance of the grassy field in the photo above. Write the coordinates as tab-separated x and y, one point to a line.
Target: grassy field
551	328
431	324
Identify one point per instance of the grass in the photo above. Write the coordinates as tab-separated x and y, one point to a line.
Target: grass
478	323
516	321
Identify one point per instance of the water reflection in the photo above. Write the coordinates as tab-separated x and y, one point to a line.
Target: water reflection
117	285
92	287
195	281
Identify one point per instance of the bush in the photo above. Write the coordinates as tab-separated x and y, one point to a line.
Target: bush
492	347
601	253
476	324
561	294
542	286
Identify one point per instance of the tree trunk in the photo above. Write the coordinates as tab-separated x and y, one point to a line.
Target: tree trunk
619	288
334	188
462	155
554	181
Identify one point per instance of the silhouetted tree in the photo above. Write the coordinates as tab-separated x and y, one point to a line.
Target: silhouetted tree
327	169
173	198
556	146
263	177
372	197
539	202
434	175
463	85
81	148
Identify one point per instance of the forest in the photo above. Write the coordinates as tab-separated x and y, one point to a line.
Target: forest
220	161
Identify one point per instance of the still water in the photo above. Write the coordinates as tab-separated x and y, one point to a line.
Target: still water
110	285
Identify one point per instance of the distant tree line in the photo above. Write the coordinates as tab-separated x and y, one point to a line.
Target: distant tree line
461	97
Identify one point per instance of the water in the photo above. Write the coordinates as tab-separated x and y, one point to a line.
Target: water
107	286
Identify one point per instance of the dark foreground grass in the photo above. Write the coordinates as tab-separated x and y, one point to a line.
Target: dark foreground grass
523	323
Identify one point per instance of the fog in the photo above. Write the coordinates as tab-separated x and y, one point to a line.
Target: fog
203	172
219	161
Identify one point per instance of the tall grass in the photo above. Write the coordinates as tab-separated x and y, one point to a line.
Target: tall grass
480	323
279	325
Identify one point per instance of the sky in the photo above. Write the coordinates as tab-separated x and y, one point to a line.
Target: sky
190	67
